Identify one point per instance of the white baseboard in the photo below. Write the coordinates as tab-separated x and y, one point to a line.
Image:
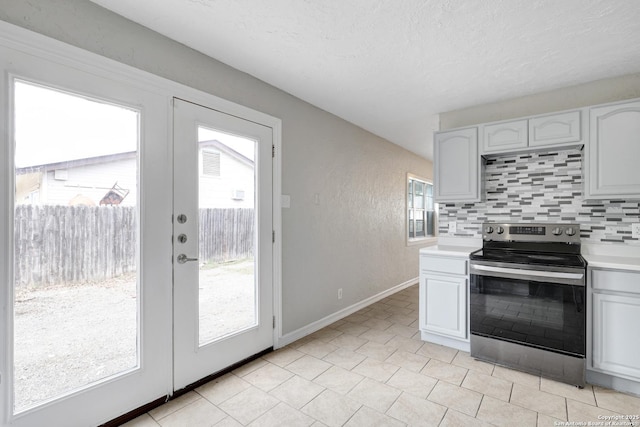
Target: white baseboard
326	321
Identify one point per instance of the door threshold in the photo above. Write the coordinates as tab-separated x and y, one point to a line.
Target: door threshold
131	415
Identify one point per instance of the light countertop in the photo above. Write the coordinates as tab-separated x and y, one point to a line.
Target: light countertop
614	262
623	257
597	256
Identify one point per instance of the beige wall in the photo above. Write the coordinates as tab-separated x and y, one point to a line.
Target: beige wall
583	95
354	238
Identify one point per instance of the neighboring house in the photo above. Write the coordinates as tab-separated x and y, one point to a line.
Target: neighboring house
226	177
226	180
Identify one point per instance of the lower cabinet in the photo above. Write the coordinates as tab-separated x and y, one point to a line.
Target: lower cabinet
446	305
615	302
443	301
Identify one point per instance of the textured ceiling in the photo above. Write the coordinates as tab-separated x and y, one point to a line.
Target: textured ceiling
390	66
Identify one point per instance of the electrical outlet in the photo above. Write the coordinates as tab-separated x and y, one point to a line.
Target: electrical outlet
635	230
340	293
452	227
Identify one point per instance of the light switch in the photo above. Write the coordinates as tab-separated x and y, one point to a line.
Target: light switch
452	227
635	230
285	201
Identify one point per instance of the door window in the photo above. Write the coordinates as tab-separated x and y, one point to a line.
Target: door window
226	249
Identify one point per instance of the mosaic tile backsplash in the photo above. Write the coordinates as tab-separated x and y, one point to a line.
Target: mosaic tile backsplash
542	186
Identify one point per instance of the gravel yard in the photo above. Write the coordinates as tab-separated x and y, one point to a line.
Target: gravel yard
69	336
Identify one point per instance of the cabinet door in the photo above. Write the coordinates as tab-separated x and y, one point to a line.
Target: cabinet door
502	137
614	150
445	305
615	346
554	129
457	166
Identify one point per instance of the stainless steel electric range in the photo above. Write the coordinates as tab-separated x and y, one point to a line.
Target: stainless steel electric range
528	299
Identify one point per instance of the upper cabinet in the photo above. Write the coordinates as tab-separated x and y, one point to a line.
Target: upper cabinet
610	134
613	154
457	166
505	136
554	129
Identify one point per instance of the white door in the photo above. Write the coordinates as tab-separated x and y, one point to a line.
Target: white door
86	304
222	241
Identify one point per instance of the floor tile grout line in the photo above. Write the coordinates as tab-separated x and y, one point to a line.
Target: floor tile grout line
383	312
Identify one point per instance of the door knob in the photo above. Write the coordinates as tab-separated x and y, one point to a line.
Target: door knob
182	258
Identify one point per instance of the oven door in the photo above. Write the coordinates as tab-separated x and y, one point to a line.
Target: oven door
535	308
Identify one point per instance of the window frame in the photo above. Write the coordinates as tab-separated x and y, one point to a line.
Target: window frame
428	238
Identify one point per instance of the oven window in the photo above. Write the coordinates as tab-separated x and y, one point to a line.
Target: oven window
538	314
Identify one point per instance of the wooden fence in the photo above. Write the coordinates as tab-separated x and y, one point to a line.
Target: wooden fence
226	234
74	244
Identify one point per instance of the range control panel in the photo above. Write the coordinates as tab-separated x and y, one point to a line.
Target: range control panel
531	232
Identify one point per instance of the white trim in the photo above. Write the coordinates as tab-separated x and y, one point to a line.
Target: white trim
425	241
327	320
45	48
428	239
62	53
277	229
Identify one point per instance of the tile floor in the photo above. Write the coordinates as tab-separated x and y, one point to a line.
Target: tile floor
371	369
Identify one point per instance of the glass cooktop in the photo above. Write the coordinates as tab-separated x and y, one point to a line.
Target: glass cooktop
537	258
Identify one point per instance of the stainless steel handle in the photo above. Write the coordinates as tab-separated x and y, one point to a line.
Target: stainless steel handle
182	258
536	273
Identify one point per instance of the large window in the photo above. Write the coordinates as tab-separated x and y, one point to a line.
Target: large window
421	210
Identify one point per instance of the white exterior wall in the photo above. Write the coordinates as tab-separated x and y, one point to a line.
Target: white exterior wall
215	192
92	181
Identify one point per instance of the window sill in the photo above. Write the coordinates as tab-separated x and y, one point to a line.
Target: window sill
426	241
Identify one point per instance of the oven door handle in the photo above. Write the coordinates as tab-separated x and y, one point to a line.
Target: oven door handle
521	272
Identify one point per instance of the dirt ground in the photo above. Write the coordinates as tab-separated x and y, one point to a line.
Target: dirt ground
69	336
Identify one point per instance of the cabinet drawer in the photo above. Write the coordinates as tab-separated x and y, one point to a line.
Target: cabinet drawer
616	280
554	129
444	265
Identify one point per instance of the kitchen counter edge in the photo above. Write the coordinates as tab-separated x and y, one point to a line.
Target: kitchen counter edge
613	262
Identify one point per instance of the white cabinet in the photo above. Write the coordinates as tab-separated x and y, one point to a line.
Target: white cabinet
528	134
554	129
505	136
457	166
443	306
615	302
614	150
446	304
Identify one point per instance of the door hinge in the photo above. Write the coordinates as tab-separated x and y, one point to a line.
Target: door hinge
273	236
274	322
273	151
